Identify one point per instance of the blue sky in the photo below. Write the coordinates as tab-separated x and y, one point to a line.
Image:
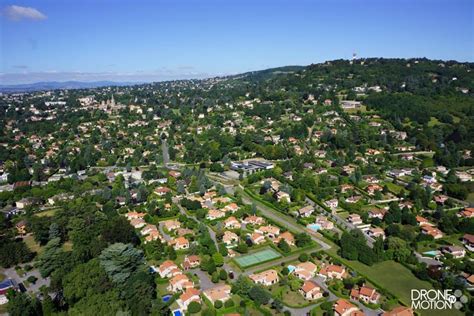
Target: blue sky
144	40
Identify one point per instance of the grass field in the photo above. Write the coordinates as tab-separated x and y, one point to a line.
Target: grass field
32	244
48	213
257	257
398	280
395	188
470	198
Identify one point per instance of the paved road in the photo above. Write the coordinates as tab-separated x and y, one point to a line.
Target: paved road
428	261
204	280
226	267
282	219
162	232
339	220
11	273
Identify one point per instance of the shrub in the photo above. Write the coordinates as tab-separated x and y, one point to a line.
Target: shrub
229	303
218	304
303	257
32	279
194	307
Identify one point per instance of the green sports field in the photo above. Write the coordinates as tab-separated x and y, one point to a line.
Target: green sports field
257	257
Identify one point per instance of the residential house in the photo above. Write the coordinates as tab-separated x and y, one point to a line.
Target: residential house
423	221
174	174
283	196
305	270
468	212
311	291
432	231
179	243
254	220
455	251
344	308
232	223
190	295
366	294
137	222
230	238
162	191
376	232
21	227
440	199
134	215
266	278
400	311
179	283
214	214
153	235
286	236
332	272
463	176
184	231
346	187
24	203
377	213
6	286
147	229
168	269
332	204
324	223
468	241
218	293
372	188
191	262
354	219
269	231
257	238
306	211
232	208
353	199
171	224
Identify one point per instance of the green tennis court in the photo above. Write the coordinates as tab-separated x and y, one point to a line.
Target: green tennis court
257	257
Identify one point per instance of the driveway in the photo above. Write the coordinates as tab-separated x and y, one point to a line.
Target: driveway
11	273
162	232
282	219
204	279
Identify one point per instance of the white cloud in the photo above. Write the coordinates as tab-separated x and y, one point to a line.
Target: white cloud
17	13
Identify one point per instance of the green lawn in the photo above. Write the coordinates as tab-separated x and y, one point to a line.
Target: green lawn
47	213
396	279
395	188
392	276
399	280
362	109
470	198
433	122
32	244
289	297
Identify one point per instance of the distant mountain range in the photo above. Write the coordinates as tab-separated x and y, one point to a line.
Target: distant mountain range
52	85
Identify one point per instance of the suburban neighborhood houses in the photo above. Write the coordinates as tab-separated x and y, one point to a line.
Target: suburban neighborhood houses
303	191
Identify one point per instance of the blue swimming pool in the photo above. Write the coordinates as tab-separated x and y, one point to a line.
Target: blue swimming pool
431	253
314	227
177	312
291	268
166	298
